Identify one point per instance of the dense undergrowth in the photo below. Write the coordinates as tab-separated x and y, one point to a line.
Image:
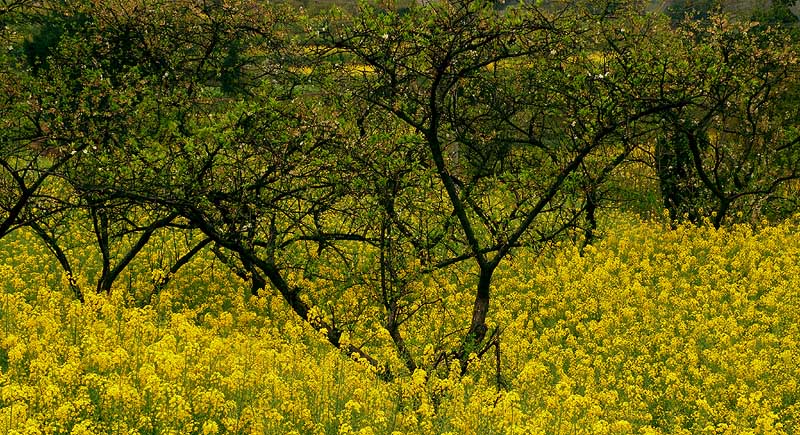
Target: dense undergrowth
652	330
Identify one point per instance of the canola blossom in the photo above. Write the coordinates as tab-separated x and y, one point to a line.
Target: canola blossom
650	331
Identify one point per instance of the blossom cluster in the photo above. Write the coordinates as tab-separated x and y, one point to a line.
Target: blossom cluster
650	331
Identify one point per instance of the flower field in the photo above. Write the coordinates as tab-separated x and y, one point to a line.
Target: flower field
651	331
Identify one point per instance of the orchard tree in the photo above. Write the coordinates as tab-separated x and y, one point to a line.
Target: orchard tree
31	152
736	147
72	98
515	116
108	89
189	118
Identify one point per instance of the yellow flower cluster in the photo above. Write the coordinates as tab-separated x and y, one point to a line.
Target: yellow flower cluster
688	331
652	331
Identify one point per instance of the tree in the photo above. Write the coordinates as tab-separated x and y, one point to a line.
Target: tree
517	115
31	152
369	153
188	119
736	146
111	88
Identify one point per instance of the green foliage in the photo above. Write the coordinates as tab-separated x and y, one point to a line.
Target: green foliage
692	9
779	13
735	145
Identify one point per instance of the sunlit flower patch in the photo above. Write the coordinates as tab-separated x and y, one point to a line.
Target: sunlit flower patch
651	331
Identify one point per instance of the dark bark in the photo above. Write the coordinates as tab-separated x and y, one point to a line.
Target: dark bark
55	249
695	140
13	214
723	205
182	261
393	327
257	282
592	203
673	161
100	225
27	191
110	274
289	293
480	308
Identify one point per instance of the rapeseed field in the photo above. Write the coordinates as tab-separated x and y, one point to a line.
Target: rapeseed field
650	331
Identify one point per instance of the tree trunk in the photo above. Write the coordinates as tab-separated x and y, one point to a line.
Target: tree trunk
723	206
673	167
53	246
100	224
591	219
477	328
393	327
